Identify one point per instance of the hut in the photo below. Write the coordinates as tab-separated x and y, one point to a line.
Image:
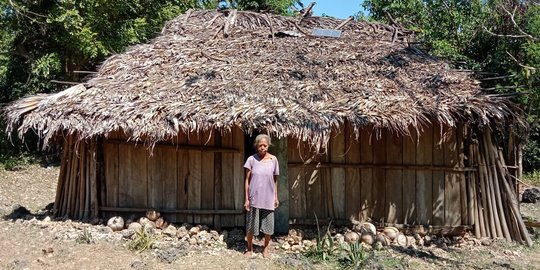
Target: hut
367	126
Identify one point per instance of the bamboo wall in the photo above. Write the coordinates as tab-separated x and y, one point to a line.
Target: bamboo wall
185	182
445	178
381	177
77	188
196	179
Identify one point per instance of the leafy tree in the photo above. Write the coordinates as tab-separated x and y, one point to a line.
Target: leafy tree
46	40
277	6
501	38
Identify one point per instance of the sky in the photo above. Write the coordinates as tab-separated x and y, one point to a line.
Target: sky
336	8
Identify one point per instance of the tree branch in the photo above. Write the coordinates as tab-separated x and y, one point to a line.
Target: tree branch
515	24
522	34
520	64
24	13
510	36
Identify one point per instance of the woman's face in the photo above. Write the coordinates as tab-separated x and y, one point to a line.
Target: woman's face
262	147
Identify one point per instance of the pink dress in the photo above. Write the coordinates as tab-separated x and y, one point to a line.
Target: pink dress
261	187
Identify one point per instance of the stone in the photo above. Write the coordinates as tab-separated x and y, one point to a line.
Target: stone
339	238
193	241
187	225
149	229
367	237
297	248
307	243
214	234
116	223
170	231
351	237
161	223
286	246
531	195
104	229
378	245
127	233
486	241
134	226
181	232
152	215
427	240
138	265
194	231
146	222
47	219
291	240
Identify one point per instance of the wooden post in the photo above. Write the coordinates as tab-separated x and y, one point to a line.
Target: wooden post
279	149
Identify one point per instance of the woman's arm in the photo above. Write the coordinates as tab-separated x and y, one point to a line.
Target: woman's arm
276	200
246	189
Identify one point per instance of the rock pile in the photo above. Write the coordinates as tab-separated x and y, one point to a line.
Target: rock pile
531	195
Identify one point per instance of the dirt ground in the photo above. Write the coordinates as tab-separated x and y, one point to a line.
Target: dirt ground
35	243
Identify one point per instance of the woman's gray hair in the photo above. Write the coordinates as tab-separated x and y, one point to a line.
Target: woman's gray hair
261	137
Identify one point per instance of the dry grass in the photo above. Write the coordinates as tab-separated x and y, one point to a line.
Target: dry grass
219	69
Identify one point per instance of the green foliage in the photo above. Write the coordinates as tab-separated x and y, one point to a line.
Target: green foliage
354	255
85	237
276	6
142	241
500	38
532	178
324	248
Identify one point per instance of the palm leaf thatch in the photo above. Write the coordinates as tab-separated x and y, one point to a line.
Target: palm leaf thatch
219	69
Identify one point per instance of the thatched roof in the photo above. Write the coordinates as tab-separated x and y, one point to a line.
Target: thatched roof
218	69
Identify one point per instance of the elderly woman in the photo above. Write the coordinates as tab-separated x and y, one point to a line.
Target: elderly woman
262	171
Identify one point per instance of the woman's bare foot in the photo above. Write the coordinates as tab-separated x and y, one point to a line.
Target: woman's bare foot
266	253
248	253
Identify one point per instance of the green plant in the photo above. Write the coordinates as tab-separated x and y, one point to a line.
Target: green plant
354	255
532	178
324	248
15	163
142	241
85	237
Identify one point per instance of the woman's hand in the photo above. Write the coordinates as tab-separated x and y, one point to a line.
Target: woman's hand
246	205
276	203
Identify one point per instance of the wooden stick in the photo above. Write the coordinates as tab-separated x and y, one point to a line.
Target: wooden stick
178	147
514	206
61	176
73	180
171	211
512	222
491	179
478	210
535	224
349	19
478	223
383	166
520	235
482	213
82	181
519	161
491	232
89	192
497	178
93	203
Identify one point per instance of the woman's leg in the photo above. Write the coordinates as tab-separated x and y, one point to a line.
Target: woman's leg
252	228
249	250
266	249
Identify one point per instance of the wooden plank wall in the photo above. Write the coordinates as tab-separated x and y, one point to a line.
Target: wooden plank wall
382	188
176	178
